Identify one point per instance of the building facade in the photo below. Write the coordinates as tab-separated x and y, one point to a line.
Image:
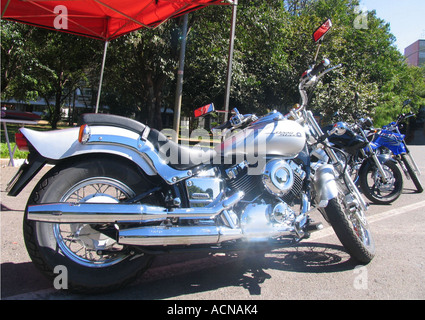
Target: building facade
415	53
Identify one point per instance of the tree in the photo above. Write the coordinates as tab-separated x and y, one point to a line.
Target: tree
40	63
139	72
16	61
273	47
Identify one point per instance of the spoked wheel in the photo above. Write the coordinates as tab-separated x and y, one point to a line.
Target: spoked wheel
379	190
351	227
83	243
93	259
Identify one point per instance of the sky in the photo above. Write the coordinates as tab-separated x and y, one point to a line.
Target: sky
406	18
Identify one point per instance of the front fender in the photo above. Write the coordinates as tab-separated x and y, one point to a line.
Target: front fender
325	185
382	158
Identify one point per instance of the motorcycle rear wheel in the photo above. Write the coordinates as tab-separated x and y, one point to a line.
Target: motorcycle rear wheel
351	228
94	262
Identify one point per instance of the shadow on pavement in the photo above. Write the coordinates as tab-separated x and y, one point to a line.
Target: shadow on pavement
248	270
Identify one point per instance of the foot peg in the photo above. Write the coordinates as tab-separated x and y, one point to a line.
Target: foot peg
314	226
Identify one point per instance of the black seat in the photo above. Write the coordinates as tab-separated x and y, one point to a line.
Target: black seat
176	155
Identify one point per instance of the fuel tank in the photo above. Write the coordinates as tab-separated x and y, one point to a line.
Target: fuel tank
269	135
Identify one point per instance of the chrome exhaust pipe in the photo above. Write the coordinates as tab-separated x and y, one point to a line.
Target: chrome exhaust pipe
167	236
64	212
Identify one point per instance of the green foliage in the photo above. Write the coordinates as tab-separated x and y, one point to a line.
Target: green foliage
16	60
139	73
273	47
4	152
38	63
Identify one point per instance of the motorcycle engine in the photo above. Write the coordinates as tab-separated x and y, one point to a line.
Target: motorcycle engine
283	179
280	178
272	195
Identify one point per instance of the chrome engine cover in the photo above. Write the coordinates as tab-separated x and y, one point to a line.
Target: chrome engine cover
278	177
262	221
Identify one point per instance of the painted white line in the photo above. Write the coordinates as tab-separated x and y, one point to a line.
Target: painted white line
395	212
371	219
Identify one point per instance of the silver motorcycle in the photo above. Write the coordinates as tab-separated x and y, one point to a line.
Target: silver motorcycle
120	193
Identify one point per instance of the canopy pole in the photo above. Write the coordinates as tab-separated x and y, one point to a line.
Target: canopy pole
101	76
179	89
230	59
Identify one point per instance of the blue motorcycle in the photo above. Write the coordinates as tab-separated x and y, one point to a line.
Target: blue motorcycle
389	140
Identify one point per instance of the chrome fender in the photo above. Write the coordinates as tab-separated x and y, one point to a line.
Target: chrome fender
325	185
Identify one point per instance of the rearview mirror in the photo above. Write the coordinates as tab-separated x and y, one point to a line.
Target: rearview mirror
203	111
322	30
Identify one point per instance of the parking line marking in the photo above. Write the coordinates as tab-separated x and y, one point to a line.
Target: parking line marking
371	219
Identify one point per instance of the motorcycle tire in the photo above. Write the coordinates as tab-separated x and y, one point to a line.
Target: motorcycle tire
354	234
71	246
384	194
412	174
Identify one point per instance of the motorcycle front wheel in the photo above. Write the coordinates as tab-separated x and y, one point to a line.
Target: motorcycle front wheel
351	227
93	260
412	174
375	189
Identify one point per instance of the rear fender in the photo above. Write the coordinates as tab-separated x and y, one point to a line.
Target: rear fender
62	144
59	145
26	172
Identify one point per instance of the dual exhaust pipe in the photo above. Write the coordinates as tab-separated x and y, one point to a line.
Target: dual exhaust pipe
137	213
65	212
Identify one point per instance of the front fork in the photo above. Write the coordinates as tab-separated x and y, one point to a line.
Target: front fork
378	163
347	179
412	161
338	165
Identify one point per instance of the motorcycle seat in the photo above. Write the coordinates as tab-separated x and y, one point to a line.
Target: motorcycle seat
175	155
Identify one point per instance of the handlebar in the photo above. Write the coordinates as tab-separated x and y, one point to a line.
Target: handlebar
309	78
236	121
320	67
225	125
393	125
404	116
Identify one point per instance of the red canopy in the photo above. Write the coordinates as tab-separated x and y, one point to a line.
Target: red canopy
99	19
